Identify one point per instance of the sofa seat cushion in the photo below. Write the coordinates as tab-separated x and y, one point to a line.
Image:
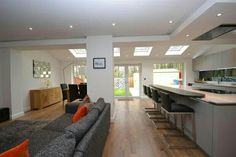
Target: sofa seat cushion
40	139
62	146
80	128
60	123
99	105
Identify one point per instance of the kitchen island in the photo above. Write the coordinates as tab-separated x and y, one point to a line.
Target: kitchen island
215	118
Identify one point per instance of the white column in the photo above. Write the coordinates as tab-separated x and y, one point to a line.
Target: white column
100	81
11	82
17	81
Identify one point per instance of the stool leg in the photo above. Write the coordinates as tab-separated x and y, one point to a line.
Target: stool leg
164	118
182	119
182	124
193	128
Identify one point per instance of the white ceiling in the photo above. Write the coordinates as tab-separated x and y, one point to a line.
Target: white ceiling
51	19
133	18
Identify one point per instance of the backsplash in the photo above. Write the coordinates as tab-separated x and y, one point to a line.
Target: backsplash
225	75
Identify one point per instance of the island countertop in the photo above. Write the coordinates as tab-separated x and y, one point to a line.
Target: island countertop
188	91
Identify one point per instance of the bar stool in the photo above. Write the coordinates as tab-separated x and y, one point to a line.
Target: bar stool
171	108
149	94
156	111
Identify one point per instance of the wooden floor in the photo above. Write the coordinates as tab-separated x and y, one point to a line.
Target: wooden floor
131	135
49	113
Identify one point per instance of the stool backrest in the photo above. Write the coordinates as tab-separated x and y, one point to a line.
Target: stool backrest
155	95
145	89
165	101
149	93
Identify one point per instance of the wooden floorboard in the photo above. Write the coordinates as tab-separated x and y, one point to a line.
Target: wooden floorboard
131	134
46	114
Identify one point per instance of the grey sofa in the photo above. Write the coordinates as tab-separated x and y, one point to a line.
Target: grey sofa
85	138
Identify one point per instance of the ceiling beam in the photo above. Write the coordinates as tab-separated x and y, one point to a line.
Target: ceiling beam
141	38
204	7
53	42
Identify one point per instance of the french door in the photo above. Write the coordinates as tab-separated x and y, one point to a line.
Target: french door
127	80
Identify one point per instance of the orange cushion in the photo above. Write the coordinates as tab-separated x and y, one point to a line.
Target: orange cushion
81	112
20	150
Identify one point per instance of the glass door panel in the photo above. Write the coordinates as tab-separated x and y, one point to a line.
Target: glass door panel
133	80
119	81
126	80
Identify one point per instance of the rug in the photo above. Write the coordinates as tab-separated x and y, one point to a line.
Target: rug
17	131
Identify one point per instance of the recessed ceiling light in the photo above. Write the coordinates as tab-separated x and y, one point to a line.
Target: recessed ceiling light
30	28
113	24
187	35
170	21
116	52
176	50
79	53
142	51
71	26
219	14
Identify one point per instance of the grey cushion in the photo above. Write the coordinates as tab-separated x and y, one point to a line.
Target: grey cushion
180	108
41	138
80	128
60	123
62	146
73	106
100	104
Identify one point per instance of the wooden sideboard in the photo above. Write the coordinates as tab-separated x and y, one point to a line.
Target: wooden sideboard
40	98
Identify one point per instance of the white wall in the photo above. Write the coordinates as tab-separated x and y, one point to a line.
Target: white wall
27	80
5	84
100	81
147	69
16	78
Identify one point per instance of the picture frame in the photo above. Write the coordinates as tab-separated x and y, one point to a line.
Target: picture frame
99	63
41	69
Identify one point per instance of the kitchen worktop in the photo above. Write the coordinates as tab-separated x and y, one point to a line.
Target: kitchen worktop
213	98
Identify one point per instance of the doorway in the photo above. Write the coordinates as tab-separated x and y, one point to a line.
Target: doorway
127	80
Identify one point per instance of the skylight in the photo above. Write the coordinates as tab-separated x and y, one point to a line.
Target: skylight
176	50
142	51
79	53
116	52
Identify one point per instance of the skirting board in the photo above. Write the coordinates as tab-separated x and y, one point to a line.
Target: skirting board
17	115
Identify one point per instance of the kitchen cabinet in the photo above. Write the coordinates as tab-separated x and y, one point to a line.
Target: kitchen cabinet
215	61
